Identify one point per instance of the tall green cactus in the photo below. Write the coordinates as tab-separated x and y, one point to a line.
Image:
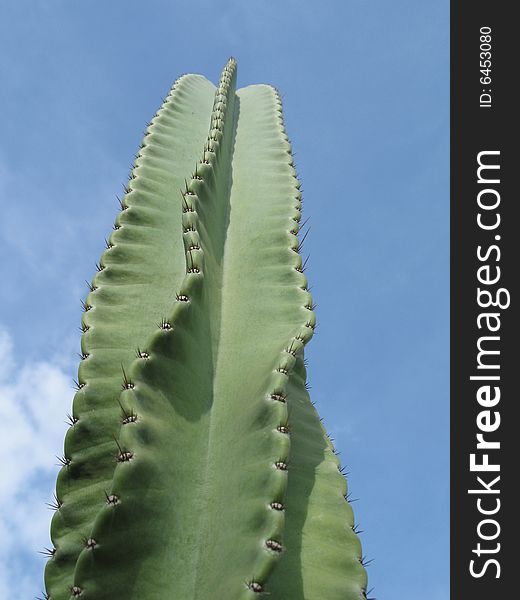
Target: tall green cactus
196	466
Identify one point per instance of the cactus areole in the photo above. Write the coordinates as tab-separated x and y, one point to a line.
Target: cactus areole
195	466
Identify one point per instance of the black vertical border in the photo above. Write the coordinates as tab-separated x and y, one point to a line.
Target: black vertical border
475	129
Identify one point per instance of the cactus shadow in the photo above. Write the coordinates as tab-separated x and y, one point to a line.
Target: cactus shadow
197	343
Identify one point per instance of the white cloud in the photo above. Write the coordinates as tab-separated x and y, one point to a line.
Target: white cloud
34	399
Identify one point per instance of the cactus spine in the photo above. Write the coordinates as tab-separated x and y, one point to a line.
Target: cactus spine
195	466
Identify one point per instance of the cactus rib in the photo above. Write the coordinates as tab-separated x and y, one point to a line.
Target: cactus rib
136	277
323	557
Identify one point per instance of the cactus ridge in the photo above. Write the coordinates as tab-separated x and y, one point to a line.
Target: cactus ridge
323	557
122	291
220	480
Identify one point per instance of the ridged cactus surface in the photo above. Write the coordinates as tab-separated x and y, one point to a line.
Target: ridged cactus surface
196	466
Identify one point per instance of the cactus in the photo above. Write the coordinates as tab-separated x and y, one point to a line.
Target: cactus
195	465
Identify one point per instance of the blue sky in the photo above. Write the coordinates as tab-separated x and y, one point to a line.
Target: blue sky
365	89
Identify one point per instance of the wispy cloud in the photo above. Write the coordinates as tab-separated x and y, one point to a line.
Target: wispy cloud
33	399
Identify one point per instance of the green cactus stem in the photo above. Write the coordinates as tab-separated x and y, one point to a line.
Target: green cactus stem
196	466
